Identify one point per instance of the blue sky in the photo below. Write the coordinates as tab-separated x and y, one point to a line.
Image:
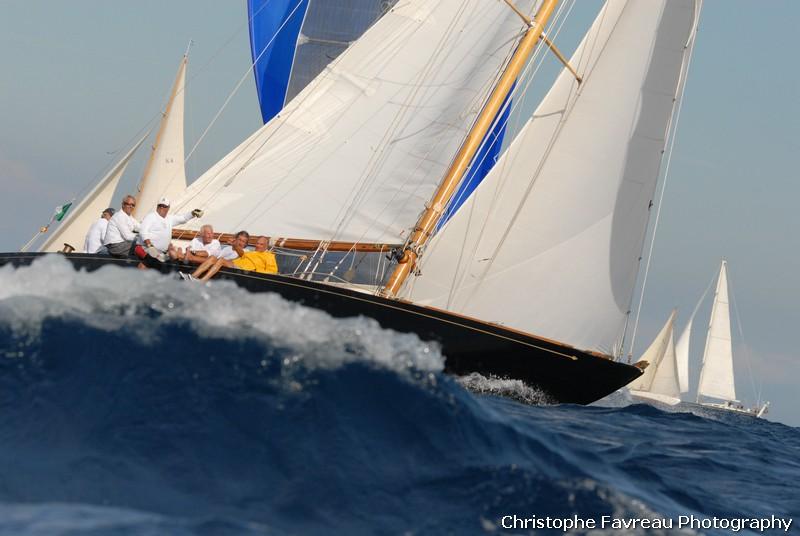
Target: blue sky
80	79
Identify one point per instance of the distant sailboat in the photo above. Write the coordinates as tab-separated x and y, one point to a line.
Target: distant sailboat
667	375
660	379
717	373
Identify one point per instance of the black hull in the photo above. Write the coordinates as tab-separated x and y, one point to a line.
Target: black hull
567	375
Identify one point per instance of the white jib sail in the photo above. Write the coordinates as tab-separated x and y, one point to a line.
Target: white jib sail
660	377
73	229
550	241
359	151
165	173
716	377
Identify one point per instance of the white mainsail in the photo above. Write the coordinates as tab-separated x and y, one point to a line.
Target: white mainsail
716	376
75	226
165	173
549	243
660	378
357	154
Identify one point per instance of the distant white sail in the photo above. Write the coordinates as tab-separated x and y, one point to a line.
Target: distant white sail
716	377
660	378
550	242
357	153
73	229
165	173
682	356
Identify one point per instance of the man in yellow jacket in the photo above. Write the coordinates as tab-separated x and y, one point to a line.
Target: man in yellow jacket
260	261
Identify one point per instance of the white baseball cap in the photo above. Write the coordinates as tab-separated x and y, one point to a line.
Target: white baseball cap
163	201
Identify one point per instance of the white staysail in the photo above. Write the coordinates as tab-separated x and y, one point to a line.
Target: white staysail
660	378
165	173
682	356
75	226
716	377
550	241
359	151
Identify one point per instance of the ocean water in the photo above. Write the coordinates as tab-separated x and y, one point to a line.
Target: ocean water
132	403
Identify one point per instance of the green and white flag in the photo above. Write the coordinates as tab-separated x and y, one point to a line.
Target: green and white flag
61	211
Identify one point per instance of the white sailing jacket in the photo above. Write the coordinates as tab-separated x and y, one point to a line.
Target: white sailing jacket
94	238
159	230
121	228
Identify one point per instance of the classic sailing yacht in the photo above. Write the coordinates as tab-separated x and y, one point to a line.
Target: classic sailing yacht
532	277
717	376
660	379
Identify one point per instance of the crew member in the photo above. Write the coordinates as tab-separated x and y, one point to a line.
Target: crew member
260	260
155	235
93	243
122	229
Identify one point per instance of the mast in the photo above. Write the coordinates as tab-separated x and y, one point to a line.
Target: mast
435	208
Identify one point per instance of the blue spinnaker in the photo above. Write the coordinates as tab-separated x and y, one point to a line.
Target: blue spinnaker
292	41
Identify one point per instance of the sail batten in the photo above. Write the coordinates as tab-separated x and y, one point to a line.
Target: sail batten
549	242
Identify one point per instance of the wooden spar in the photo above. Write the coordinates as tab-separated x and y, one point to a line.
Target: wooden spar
149	165
564	61
433	213
295	243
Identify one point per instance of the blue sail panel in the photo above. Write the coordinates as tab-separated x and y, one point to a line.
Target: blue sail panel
274	31
286	59
482	162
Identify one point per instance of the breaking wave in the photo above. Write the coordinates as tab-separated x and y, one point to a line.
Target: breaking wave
131	403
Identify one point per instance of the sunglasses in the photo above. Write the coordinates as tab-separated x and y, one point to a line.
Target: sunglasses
128	204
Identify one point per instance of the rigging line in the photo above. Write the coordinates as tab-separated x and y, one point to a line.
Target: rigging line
242	80
380	155
201	69
672	130
572	98
528	75
756	392
252	139
477	101
356	195
480	96
305	95
540	57
375	165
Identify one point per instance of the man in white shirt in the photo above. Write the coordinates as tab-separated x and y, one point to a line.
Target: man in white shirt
203	246
239	242
122	228
155	234
93	242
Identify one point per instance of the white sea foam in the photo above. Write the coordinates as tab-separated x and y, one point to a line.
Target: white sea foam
117	298
507	388
618	399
